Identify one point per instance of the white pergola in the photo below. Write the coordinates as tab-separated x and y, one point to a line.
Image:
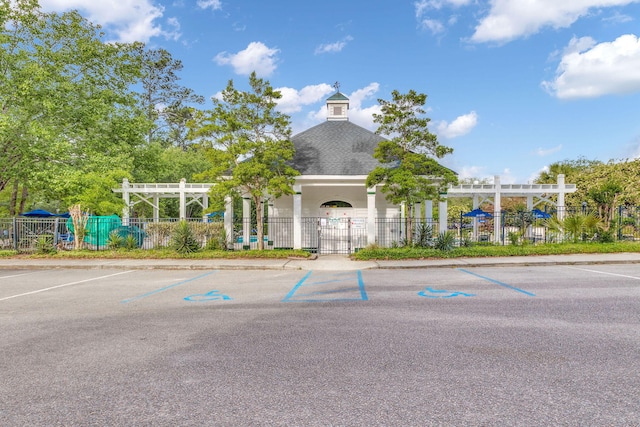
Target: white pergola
187	193
534	193
151	194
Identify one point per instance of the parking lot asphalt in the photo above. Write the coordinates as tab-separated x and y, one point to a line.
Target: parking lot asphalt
475	346
323	262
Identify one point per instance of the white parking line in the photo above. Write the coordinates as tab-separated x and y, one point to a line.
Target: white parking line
66	284
604	272
15	275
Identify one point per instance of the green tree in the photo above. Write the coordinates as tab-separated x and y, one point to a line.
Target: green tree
569	168
606	195
165	101
605	179
576	227
408	171
247	143
574	173
66	99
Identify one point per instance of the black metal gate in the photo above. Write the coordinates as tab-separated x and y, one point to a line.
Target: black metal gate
341	235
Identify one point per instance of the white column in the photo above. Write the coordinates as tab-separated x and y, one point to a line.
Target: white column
270	208
183	199
271	236
403	221
428	210
497	208
561	191
205	205
442	214
246	220
417	212
475	205
297	216
371	216
228	220
530	202
127	201
156	208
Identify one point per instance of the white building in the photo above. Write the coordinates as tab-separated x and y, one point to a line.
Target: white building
332	210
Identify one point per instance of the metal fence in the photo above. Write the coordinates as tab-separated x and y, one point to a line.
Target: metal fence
277	234
321	235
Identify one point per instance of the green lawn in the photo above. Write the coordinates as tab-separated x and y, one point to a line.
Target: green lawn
483	250
494	250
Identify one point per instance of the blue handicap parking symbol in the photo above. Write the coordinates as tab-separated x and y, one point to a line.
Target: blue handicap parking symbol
209	296
441	293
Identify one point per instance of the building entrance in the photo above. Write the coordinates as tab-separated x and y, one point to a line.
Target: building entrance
341	235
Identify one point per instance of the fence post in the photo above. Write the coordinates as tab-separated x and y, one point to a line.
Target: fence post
56	223
349	238
15	233
619	222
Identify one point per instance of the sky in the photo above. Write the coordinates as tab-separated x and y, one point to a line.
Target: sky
513	85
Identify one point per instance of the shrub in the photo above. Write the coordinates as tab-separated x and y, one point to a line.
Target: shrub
466	241
44	244
423	236
130	242
217	242
606	236
514	238
160	232
115	241
445	241
183	239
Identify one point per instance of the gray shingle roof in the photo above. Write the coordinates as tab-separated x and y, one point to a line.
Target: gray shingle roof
335	148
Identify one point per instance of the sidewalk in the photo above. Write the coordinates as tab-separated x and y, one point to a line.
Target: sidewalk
324	262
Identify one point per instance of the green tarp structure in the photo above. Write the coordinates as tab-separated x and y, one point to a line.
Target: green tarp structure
98	228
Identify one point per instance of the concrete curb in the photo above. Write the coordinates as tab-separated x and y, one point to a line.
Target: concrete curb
336	263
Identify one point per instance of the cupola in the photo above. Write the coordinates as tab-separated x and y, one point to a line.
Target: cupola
337	107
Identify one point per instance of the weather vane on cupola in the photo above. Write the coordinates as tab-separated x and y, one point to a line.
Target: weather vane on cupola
336	86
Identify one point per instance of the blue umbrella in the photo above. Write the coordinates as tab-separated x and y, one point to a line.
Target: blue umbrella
538	214
38	213
478	213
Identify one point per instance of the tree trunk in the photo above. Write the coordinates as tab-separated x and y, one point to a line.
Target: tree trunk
14	198
23	199
259	222
409	224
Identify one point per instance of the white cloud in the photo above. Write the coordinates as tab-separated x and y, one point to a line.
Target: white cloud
433	25
507	177
293	100
543	152
256	57
482	174
536	174
424	7
460	126
357	97
589	70
358	114
510	19
618	18
209	4
469	172
333	47
130	20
